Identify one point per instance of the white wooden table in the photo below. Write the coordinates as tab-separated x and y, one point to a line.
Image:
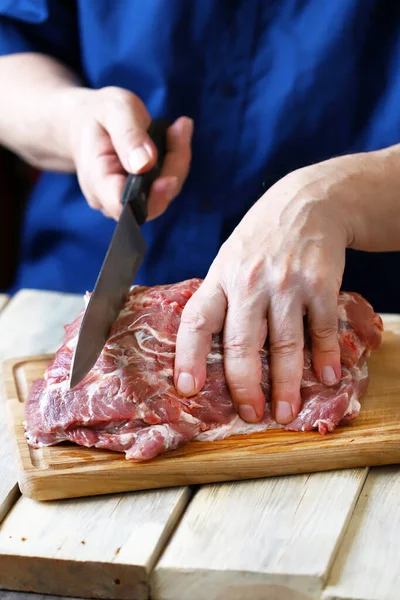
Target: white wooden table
324	536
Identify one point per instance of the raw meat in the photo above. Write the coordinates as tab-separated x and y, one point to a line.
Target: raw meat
128	402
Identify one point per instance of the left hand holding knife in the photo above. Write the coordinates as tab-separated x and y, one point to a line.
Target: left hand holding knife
108	138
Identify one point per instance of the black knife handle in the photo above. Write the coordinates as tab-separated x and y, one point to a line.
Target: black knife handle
137	187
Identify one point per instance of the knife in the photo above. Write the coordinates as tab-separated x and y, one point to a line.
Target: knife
121	264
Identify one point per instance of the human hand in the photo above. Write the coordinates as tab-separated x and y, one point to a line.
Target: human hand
108	139
286	258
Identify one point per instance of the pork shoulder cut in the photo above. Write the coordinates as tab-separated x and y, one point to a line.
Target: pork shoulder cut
128	402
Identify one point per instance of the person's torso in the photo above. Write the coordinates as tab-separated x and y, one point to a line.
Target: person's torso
271	85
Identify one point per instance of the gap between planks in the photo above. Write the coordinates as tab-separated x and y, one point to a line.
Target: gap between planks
101	547
41	545
8	488
258	539
254	504
274	538
367	564
31	322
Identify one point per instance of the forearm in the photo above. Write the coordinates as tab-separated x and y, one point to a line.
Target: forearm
374	204
35	109
362	193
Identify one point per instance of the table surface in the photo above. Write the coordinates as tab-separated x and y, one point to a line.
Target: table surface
325	536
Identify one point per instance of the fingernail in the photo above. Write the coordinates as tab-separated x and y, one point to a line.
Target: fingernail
248	413
185	384
283	413
328	375
187	130
171	187
139	158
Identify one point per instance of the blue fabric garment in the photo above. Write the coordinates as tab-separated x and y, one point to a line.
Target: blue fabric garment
272	85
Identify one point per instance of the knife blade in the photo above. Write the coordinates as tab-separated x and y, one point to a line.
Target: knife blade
121	264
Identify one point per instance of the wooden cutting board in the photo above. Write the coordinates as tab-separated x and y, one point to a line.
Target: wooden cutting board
68	471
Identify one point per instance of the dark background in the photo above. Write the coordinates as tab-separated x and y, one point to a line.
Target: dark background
16	179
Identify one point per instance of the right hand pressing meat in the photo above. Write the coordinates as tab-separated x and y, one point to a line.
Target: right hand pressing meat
285	259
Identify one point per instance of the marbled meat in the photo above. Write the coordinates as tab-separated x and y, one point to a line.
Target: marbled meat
128	402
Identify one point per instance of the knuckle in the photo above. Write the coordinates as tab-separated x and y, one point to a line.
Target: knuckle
117	96
89	194
194	320
238	390
237	349
316	283
327	332
134	135
286	382
253	279
246	281
119	105
93	201
284	278
283	380
281	281
286	347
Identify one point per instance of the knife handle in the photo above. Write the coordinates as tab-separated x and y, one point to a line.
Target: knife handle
137	187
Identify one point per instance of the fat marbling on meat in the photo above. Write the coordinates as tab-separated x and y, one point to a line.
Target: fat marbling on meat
128	402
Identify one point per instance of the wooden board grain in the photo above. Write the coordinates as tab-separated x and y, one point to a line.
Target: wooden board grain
7	595
31	324
93	547
70	471
391	322
8	489
271	538
260	539
367	565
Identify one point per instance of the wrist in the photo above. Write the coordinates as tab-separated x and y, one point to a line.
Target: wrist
367	196
69	105
328	188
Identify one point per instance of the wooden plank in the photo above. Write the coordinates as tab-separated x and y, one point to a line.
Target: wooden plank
267	539
367	565
270	539
94	548
32	322
3	300
52	558
6	595
391	322
68	471
8	492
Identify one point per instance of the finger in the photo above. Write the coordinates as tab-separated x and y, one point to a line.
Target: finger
286	338
323	326
202	316
162	192
245	330
105	194
175	167
110	193
126	120
102	180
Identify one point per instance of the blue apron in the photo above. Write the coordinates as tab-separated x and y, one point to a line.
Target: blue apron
272	85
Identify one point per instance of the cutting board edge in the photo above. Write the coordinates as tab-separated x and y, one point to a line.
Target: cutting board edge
7	371
40	483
